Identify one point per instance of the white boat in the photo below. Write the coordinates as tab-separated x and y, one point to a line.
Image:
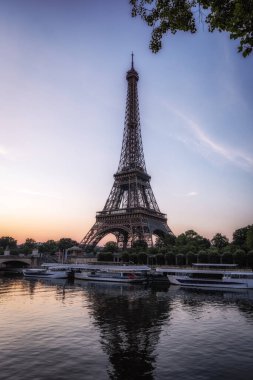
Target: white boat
210	276
121	274
45	273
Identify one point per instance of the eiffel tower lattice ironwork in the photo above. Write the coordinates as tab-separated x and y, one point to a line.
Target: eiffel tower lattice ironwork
131	212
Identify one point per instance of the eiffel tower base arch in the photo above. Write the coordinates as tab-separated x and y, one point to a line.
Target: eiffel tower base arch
126	230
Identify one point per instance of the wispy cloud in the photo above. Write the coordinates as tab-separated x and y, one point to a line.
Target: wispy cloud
207	145
191	194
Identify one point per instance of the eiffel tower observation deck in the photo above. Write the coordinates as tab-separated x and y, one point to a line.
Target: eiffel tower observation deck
131	212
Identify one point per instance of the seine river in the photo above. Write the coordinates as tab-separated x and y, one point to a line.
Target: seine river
83	330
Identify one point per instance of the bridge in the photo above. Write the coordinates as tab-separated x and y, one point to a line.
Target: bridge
17	261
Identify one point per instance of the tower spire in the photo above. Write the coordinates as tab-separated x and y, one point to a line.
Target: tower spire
132	155
132	61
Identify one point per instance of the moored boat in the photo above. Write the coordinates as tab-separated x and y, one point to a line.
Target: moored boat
108	276
210	276
124	274
45	273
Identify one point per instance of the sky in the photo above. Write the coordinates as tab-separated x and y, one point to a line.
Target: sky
62	105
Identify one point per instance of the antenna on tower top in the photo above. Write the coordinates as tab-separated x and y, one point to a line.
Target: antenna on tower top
132	60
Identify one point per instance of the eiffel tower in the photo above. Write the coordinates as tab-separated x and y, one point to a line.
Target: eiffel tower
131	212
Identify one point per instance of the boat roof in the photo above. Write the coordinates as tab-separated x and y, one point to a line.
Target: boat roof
207	270
214	265
118	268
189	270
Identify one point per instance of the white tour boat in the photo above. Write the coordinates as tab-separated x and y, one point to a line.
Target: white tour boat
106	273
210	276
51	272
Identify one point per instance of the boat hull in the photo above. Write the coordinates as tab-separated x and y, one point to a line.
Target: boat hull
45	274
103	278
209	284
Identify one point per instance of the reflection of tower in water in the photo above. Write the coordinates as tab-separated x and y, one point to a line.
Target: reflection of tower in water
130	322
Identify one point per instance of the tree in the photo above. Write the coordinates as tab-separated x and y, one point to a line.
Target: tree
249	238
191	258
165	242
203	256
66	243
160	259
102	256
28	246
180	259
50	246
8	242
214	257
240	235
140	245
219	241
170	258
125	257
133	259
227	258
110	246
170	16
153	250
250	259
30	243
191	241
240	257
142	258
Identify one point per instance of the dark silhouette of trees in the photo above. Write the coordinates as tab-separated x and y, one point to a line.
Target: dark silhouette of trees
8	242
140	245
219	241
66	243
249	238
28	246
50	246
110	246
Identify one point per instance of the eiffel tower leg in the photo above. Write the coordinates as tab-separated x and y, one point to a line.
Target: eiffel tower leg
94	235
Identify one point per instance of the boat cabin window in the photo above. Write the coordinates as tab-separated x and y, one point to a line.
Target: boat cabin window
245	276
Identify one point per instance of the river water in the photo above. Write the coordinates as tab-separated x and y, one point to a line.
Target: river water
83	330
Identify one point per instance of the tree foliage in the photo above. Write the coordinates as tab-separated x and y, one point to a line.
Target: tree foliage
165	242
249	238
240	236
140	245
102	256
66	243
50	246
110	246
28	246
8	242
191	241
171	16
219	241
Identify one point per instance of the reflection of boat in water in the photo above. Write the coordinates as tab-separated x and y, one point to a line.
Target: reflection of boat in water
210	276
114	274
210	294
49	281
113	289
51	272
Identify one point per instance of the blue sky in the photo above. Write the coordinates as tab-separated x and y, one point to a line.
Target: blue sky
62	106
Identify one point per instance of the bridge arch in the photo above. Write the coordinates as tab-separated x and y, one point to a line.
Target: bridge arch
14	262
